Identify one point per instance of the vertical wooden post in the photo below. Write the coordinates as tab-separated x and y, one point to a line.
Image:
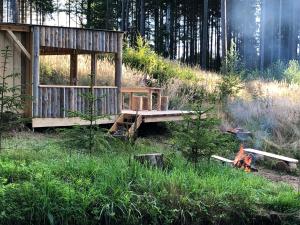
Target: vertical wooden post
35	70
118	71
94	67
159	100
73	69
150	100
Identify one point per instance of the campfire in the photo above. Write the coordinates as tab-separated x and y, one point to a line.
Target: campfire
244	160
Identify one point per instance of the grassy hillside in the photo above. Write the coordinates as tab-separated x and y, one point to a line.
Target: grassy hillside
268	108
42	183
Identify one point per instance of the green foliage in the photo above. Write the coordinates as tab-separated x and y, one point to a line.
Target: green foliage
197	138
51	187
52	76
232	70
90	138
11	99
292	72
43	6
229	86
143	58
232	64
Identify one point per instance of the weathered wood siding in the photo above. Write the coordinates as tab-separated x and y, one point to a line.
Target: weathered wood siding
58	101
81	39
14	61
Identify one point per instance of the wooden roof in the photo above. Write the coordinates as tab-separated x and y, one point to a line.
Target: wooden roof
55	39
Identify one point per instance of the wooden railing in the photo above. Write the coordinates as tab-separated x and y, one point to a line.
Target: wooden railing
57	101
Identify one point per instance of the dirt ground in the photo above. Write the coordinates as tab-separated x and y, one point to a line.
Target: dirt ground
280	177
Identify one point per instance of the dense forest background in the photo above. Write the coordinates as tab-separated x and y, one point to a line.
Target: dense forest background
196	32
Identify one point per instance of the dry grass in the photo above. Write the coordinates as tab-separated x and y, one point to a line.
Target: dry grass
105	70
272	111
269	109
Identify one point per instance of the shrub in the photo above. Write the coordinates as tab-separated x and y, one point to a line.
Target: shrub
292	72
199	138
143	58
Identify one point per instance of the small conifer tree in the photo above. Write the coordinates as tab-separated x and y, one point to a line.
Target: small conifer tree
11	99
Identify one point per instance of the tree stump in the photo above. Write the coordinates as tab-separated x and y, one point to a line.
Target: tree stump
145	103
164	103
137	103
155	159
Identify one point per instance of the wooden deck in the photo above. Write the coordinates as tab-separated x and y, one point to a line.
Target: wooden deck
160	116
148	117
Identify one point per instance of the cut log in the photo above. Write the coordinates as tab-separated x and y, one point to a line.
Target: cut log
155	159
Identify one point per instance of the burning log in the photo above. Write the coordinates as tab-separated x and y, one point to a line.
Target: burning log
244	160
241	134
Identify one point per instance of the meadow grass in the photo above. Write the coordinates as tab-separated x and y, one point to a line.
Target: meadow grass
269	109
48	185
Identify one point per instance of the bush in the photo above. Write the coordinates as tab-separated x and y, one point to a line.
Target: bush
200	138
292	72
143	58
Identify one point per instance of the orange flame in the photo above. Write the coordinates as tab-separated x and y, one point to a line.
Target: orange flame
243	160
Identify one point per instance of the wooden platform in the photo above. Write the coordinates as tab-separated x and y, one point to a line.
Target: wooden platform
160	116
148	117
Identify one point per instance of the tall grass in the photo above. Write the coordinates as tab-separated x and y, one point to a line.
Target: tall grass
48	186
56	70
270	109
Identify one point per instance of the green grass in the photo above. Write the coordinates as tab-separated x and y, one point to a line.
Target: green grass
45	185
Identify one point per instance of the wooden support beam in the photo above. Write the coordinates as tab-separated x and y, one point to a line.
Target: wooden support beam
73	69
35	70
15	27
118	70
94	67
18	43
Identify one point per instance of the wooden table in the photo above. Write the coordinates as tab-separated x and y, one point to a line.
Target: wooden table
146	90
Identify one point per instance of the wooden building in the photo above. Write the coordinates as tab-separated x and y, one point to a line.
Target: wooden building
50	104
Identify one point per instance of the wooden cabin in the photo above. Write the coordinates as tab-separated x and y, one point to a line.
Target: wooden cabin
50	104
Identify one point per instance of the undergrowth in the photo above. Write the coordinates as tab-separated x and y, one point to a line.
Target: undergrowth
46	185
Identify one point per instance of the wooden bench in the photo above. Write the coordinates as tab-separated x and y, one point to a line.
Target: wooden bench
292	163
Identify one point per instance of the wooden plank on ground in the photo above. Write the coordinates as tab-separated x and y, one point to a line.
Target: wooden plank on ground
268	154
222	159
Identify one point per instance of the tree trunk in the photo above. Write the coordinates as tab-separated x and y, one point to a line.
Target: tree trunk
224	28
15	11
155	160
205	35
142	18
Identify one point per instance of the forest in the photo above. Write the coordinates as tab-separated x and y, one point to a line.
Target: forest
193	32
161	112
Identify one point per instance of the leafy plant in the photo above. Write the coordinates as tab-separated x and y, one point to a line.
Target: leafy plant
197	138
143	58
48	186
292	72
91	137
11	99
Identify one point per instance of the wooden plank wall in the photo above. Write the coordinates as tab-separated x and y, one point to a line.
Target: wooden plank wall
58	101
81	39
